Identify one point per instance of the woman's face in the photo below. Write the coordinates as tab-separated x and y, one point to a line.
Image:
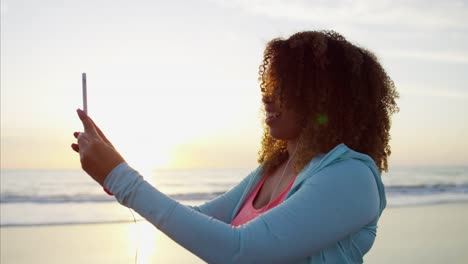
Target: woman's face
284	123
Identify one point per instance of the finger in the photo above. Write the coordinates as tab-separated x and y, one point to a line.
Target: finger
87	124
75	147
83	143
82	138
75	134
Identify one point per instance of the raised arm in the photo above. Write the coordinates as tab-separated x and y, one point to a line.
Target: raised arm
331	205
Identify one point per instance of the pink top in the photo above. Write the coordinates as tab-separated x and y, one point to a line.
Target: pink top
248	211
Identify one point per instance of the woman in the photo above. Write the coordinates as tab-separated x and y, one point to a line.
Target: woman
316	196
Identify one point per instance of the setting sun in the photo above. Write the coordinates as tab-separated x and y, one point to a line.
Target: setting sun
177	87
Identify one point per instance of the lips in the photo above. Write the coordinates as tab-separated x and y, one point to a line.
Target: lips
271	117
272	114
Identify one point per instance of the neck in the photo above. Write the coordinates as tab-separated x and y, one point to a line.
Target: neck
292	149
292	145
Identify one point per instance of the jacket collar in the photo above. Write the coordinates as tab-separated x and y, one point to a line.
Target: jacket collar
316	164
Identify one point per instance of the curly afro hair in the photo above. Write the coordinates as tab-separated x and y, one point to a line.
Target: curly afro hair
340	91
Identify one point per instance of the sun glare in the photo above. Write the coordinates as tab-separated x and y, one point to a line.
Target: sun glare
146	243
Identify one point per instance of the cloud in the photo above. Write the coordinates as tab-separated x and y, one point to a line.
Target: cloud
418	90
459	57
426	15
423	30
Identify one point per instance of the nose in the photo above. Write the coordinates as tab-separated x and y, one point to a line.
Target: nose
267	100
269	104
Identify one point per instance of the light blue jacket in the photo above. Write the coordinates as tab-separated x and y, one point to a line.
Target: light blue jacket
329	215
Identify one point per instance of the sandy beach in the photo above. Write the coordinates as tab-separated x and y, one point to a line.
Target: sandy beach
420	234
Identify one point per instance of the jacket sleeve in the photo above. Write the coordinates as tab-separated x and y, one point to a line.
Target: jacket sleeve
334	203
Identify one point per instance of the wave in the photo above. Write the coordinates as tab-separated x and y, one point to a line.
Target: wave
398	190
427	189
47	199
95	222
78	210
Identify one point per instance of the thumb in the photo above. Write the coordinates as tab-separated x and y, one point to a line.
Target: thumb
87	123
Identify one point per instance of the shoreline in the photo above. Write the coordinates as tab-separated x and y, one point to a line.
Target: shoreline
436	233
27	225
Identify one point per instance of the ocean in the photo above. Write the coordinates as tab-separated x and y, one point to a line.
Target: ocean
59	197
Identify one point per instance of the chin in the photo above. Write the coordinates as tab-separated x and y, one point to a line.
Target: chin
280	135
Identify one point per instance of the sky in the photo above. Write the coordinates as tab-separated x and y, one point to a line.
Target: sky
173	84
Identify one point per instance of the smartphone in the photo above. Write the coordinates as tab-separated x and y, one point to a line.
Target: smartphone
85	92
85	106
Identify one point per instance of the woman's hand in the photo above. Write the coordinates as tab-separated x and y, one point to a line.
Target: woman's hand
97	155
